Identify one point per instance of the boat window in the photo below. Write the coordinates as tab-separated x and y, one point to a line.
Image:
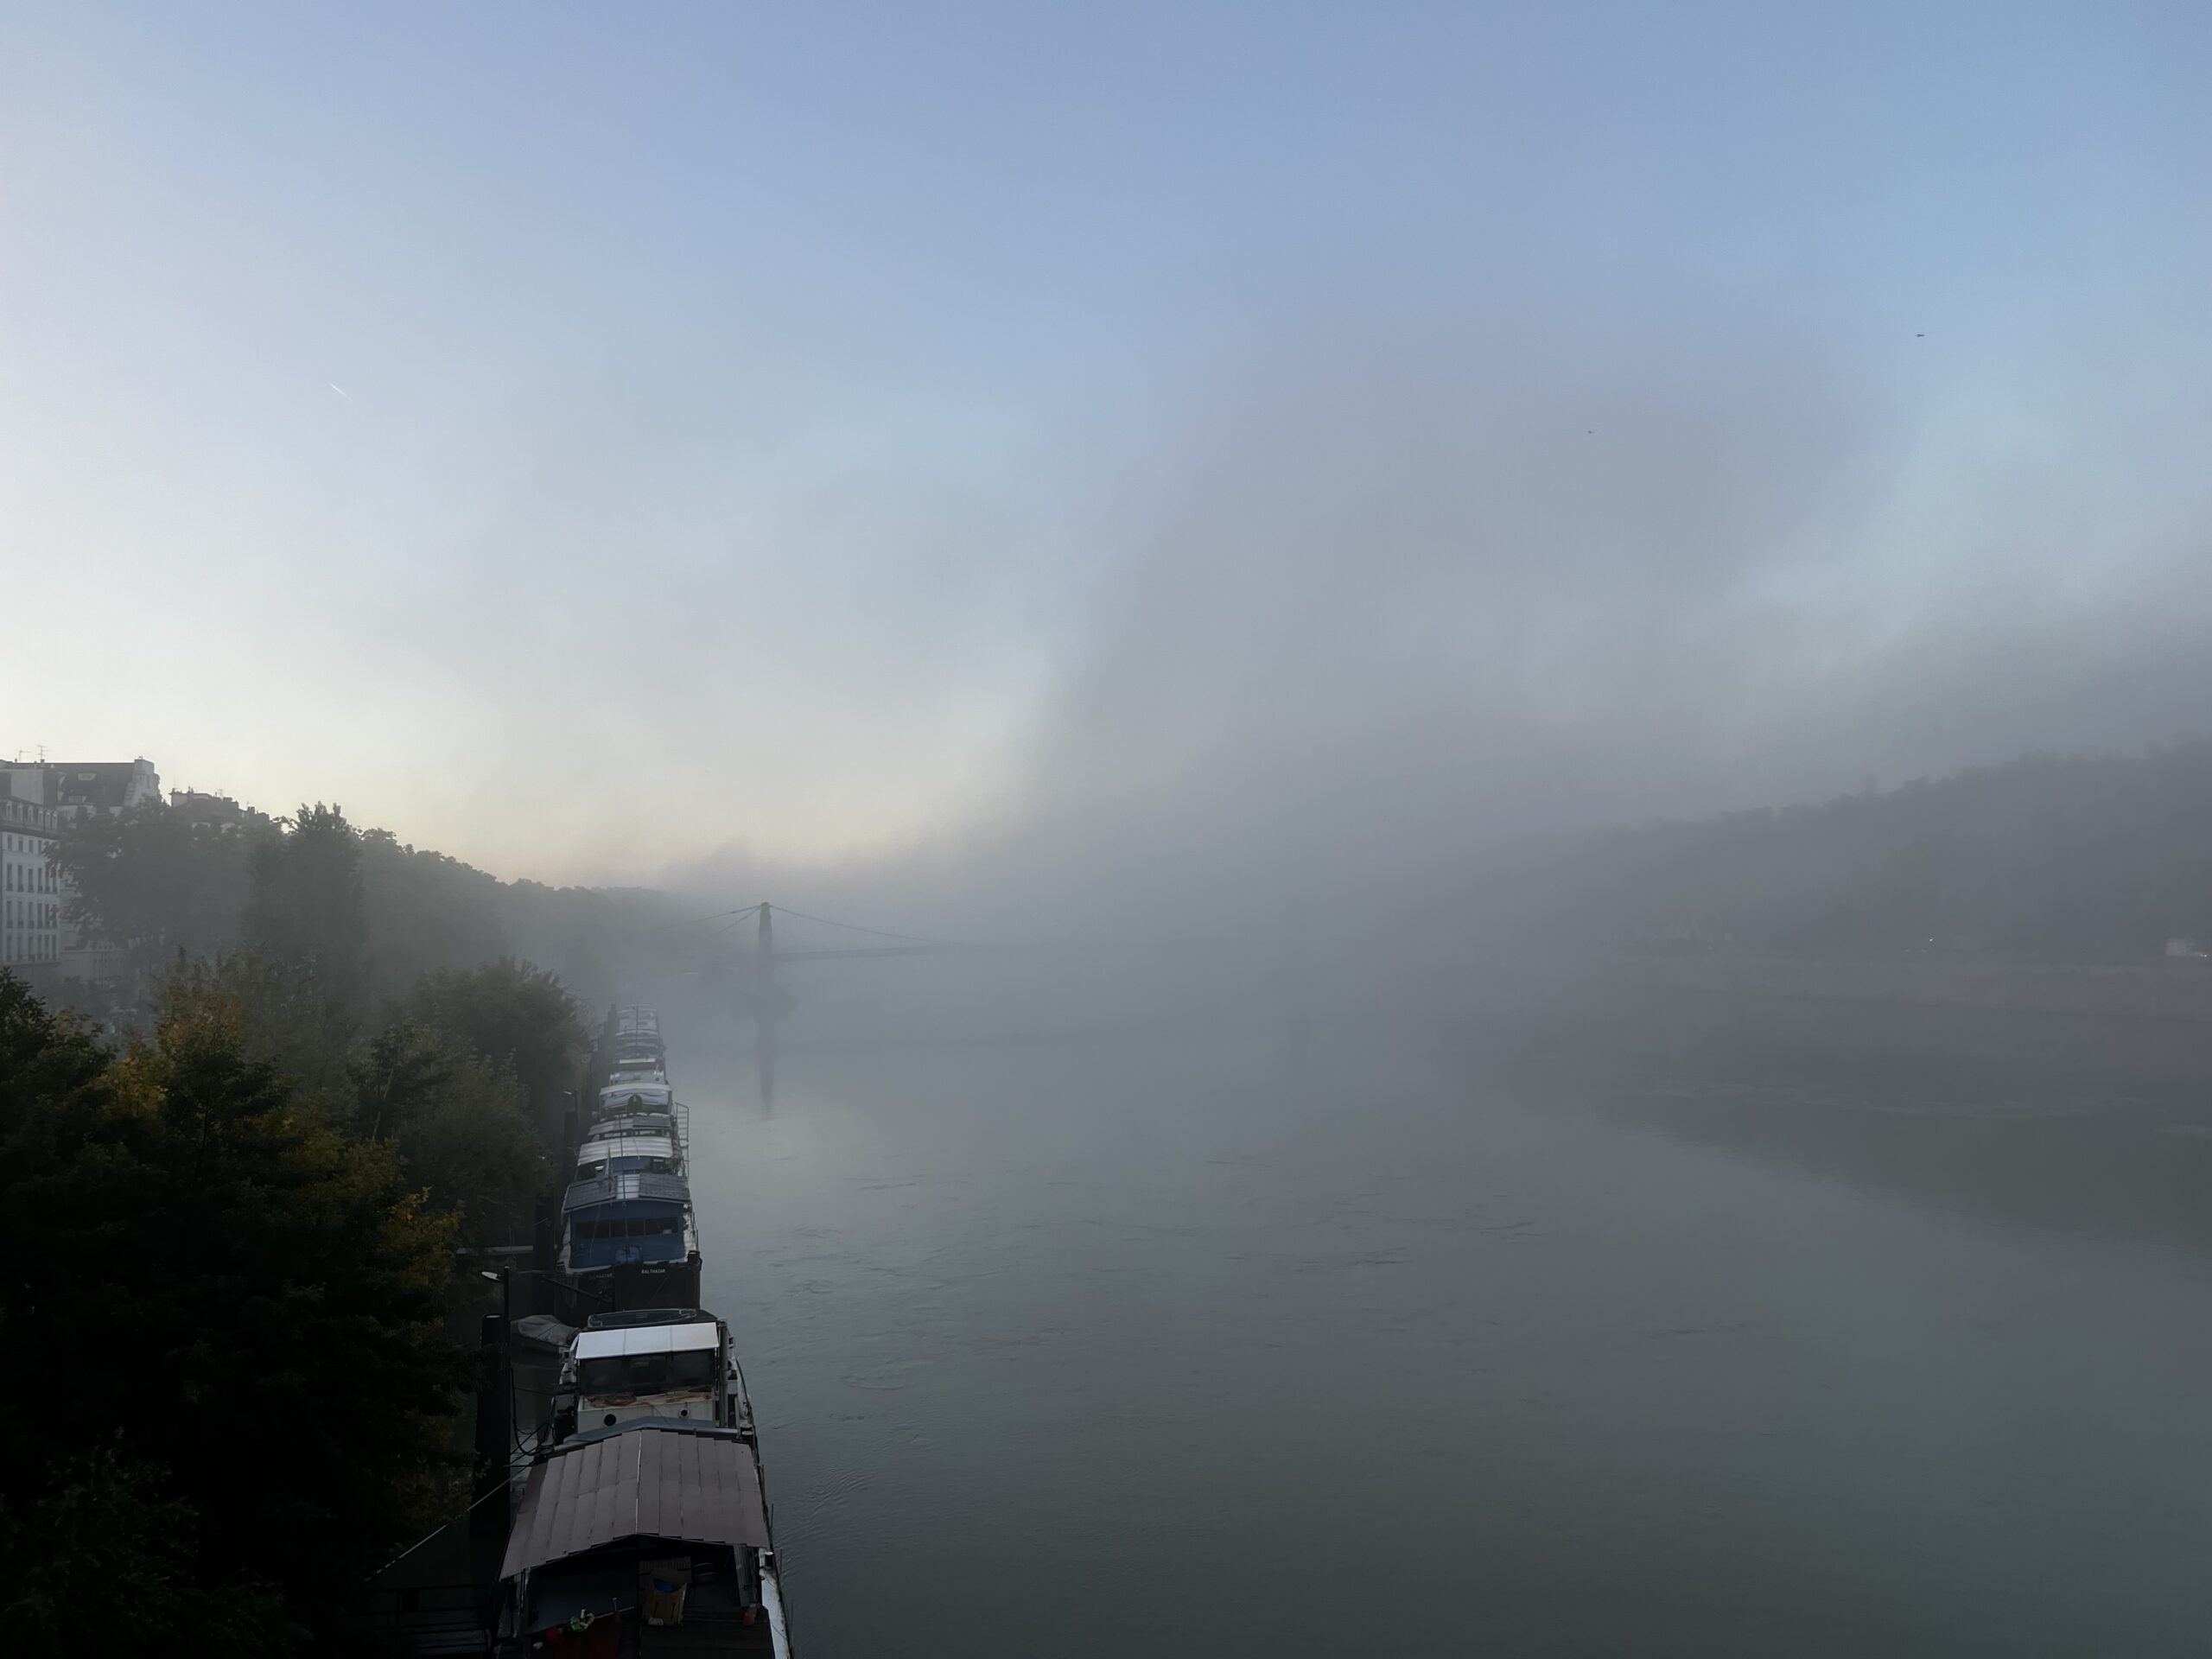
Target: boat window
695	1370
626	1227
647	1373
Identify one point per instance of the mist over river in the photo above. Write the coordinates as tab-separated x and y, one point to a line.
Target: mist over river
1171	1339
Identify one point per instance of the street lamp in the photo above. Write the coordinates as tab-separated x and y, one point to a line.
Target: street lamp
506	1303
504	1278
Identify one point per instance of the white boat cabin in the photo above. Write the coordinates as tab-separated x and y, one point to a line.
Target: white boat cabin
619	1373
637	1097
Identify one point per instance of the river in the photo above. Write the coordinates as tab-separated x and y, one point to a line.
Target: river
1164	1344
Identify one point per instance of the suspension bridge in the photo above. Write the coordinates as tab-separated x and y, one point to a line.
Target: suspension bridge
752	983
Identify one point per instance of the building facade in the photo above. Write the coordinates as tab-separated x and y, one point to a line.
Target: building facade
66	791
200	810
31	928
84	789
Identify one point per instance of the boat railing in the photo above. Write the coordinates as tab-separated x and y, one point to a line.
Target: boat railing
627	1185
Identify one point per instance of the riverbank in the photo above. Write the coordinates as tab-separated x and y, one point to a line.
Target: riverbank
1988	1028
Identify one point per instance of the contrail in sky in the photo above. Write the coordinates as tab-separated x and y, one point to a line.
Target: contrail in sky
340	389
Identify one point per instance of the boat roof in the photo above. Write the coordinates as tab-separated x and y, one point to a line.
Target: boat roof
615	1317
626	1145
646	1340
627	1185
643	1483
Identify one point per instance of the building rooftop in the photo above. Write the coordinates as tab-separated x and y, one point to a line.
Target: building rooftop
101	786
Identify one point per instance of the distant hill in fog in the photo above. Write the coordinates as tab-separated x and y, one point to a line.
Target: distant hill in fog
2097	856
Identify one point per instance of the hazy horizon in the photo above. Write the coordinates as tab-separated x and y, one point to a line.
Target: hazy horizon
663	449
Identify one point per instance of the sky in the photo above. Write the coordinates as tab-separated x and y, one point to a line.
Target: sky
676	442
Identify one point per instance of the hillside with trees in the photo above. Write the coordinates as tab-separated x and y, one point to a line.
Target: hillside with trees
161	884
2100	857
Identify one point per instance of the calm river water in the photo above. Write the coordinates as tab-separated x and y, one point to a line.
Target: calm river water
1097	1347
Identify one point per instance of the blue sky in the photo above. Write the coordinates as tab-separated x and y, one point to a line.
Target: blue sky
460	411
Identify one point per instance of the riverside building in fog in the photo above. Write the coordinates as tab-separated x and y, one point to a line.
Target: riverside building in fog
57	793
86	789
30	913
202	809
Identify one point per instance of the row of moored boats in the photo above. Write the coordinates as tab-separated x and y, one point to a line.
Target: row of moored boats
642	1528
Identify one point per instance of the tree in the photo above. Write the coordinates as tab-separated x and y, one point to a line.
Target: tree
254	1300
364	914
459	1124
511	1014
287	1016
304	906
148	875
425	911
104	1564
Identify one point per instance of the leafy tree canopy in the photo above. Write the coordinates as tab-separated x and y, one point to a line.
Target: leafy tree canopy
149	876
511	1014
251	1298
459	1124
104	1564
304	906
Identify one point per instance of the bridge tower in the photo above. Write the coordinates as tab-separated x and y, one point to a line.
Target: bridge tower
767	1003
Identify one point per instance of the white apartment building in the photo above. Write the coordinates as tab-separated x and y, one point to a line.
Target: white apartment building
30	896
60	792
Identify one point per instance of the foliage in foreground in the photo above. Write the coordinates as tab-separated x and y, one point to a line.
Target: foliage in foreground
104	1564
241	1300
